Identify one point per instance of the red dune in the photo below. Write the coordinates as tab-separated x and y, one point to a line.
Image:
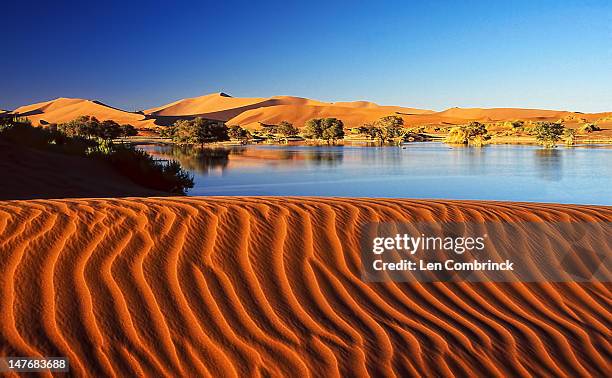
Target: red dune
253	112
266	286
66	109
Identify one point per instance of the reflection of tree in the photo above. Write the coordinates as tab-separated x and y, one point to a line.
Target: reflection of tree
328	157
548	163
201	160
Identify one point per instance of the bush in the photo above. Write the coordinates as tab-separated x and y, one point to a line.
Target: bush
474	134
137	165
141	168
548	133
570	137
589	128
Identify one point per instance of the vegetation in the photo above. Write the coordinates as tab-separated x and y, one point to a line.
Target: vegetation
286	129
237	132
91	127
385	129
328	129
548	133
389	127
474	134
137	165
197	131
570	137
589	128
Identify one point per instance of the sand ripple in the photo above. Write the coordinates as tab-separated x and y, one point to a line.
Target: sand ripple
266	286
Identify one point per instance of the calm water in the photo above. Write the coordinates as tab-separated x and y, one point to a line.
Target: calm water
420	170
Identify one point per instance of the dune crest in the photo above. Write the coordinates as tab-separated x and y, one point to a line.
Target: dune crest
66	109
253	112
235	286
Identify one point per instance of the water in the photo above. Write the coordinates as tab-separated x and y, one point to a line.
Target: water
580	175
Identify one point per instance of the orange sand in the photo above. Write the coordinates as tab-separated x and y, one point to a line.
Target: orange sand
270	286
252	112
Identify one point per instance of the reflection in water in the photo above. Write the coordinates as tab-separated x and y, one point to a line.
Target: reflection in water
417	170
207	159
549	164
201	160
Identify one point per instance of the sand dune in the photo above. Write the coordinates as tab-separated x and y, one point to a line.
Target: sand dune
67	109
241	111
270	286
252	112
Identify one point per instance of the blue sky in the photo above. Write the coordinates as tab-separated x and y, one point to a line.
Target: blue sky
429	54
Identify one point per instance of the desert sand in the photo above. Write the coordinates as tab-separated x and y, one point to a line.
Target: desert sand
270	286
253	112
66	109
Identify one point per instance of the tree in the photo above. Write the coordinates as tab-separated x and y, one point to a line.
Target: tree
474	134
237	132
570	137
198	131
128	130
332	129
312	129
548	133
286	129
369	130
91	127
389	127
589	128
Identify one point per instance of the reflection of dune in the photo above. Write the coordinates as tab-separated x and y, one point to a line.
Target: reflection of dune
270	286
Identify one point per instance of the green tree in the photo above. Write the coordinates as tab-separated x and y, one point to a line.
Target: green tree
589	128
333	129
239	133
313	129
128	130
369	130
91	127
286	129
570	137
474	134
198	131
389	127
548	133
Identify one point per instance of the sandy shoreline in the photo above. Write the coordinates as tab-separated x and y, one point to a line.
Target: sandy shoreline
226	286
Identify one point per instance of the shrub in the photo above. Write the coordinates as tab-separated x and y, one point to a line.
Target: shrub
570	137
137	165
474	134
549	133
589	128
141	168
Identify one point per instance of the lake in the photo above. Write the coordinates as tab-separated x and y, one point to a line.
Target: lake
580	175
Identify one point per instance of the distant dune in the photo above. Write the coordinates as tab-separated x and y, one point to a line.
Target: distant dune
253	112
66	109
271	287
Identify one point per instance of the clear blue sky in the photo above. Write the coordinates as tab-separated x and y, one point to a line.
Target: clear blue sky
428	54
